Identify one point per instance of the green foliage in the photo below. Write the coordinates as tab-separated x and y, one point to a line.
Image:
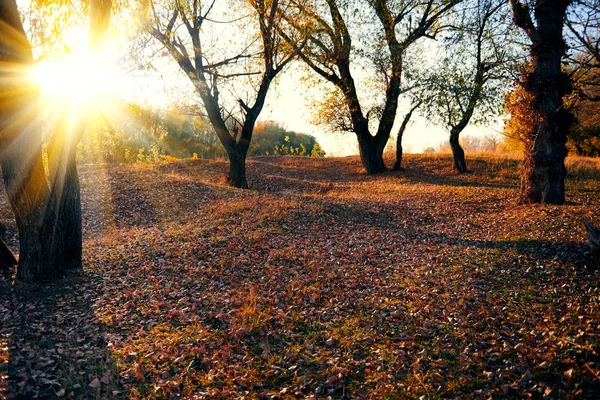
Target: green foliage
468	82
146	136
272	139
584	137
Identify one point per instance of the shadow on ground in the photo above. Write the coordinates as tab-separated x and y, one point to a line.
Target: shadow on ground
53	343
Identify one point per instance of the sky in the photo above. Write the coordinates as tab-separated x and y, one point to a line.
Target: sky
289	102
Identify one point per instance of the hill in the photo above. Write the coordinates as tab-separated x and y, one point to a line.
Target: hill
318	281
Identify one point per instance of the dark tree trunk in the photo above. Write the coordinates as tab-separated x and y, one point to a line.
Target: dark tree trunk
29	198
62	157
21	159
458	154
237	167
371	154
66	194
65	190
70	216
543	170
398	164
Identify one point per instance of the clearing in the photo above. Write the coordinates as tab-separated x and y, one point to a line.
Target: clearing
318	281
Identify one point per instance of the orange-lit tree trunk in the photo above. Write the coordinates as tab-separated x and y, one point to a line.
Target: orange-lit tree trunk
543	171
21	154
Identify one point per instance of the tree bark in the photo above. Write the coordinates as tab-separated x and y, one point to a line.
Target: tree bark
371	154
458	154
66	194
543	170
237	167
28	194
21	155
62	160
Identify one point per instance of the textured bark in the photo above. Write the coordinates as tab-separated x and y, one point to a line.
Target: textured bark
28	194
370	155
21	155
399	151
237	167
66	193
62	157
543	170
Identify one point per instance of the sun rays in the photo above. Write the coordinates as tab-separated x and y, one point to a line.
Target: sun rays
80	82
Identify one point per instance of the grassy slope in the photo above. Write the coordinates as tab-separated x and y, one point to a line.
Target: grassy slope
318	281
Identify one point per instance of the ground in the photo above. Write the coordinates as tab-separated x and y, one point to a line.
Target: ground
319	281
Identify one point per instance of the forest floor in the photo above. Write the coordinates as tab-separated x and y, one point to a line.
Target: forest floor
319	281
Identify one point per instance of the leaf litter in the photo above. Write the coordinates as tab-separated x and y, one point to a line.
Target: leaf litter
319	282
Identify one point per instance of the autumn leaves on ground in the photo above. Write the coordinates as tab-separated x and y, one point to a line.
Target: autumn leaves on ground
318	281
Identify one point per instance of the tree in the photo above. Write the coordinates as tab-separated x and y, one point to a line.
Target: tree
543	170
467	83
62	156
583	66
331	53
192	56
584	137
47	211
405	121
583	34
21	153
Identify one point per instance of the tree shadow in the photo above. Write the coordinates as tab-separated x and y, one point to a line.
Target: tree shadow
53	342
131	205
574	253
420	174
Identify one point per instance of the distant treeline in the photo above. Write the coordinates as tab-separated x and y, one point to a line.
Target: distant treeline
144	136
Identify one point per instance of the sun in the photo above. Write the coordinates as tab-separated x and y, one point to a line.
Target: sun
82	81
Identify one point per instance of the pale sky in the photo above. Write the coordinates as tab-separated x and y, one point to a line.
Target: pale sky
288	102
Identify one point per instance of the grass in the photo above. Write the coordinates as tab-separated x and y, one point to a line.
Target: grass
320	281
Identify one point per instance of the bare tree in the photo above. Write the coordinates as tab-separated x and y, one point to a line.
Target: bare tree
583	29
181	28
467	83
330	52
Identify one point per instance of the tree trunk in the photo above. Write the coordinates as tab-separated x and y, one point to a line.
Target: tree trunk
543	170
62	160
371	155
458	154
65	189
398	164
70	215
237	167
28	195
66	195
21	156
